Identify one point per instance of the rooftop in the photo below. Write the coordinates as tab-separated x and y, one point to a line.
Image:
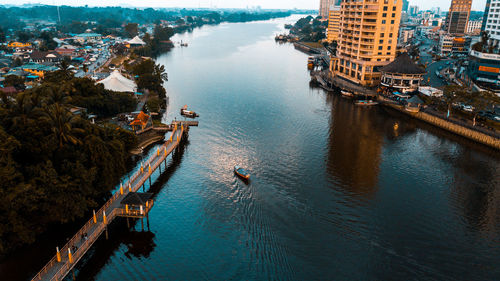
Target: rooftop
403	64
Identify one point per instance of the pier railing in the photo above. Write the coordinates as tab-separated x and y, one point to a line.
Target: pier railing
60	265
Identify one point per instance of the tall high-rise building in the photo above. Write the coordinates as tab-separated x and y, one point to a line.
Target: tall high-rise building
405	5
332	33
458	16
486	12
413	10
368	36
491	22
324	7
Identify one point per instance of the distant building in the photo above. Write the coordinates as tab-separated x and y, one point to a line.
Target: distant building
66	50
324	6
40	57
367	40
405	34
402	74
332	32
18	45
484	70
474	26
413	10
87	37
38	69
405	6
458	17
445	44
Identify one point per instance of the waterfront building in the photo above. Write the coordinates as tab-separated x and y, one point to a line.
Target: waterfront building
18	45
491	22
367	39
484	71
402	75
458	16
332	32
474	26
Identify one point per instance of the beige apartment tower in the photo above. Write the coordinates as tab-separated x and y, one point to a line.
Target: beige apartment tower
368	35
332	33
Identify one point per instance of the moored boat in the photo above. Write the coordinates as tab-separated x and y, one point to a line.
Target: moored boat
188	113
242	173
346	93
365	102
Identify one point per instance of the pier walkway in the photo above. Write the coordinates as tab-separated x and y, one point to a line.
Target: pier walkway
69	255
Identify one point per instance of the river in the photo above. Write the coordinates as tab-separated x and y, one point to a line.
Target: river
337	192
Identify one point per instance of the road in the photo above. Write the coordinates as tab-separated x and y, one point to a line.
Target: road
426	58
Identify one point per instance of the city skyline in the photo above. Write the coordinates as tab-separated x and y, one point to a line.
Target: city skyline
477	5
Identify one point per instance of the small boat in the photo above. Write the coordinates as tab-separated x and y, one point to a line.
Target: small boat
242	173
188	113
346	93
365	102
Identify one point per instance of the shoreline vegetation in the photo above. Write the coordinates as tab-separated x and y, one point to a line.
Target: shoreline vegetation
57	166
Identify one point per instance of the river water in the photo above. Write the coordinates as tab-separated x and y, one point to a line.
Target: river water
336	193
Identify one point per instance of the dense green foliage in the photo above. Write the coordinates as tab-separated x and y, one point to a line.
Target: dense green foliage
151	78
310	29
158	44
54	165
82	92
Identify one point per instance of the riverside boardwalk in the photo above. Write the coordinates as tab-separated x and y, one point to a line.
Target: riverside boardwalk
69	255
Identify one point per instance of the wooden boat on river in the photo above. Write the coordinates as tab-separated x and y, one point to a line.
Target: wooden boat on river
242	173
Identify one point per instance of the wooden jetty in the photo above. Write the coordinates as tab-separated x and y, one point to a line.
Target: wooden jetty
126	202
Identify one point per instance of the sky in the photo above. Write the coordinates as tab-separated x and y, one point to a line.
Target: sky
477	5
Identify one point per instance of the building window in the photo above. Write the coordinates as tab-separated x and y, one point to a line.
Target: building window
380	47
381	41
385	8
392	21
390	35
382	35
383	21
379	53
393	15
384	15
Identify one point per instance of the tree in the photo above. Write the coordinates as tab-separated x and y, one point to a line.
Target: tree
24	36
451	95
131	29
62	122
480	101
15	81
2	35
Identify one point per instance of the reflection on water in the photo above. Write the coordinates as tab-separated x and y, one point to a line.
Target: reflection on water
355	144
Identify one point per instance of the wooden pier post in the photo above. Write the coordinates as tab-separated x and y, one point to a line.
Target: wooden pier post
128	223
105	221
147	220
142	223
58	255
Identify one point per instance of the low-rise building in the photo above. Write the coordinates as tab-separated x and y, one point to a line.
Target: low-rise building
18	45
484	71
405	34
474	26
67	50
446	44
402	74
40	57
38	69
87	37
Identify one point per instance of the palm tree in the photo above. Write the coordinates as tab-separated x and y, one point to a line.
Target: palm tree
62	122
